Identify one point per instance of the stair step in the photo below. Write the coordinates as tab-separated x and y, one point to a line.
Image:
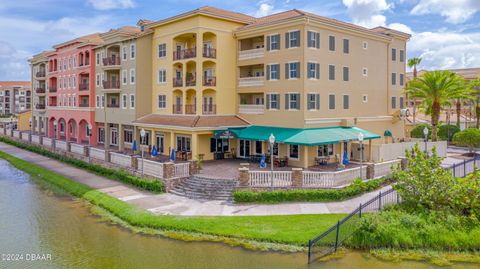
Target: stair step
204	188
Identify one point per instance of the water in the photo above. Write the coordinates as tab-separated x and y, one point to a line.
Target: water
35	219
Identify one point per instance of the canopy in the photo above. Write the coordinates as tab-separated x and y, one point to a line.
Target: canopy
298	136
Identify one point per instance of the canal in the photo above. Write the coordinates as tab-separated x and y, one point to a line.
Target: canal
34	219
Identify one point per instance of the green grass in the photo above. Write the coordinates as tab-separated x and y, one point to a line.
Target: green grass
291	229
118	175
297	195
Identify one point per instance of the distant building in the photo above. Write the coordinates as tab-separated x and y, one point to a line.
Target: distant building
15	97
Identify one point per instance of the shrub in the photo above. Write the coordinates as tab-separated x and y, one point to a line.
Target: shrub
444	130
469	137
320	195
417	131
118	175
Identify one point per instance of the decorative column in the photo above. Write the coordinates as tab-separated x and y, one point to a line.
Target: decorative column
244	176
297	177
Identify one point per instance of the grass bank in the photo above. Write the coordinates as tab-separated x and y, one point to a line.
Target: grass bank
321	195
118	175
292	230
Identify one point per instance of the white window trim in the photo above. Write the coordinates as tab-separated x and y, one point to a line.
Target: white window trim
270	75
134	77
158	76
316	41
161	108
308	100
328	100
365	98
124	105
134	46
291	31
124	48
365	74
365	45
158	51
333	150
289	69
308	70
130	101
278	101
334	72
289	99
279	43
124	77
299	153
343	101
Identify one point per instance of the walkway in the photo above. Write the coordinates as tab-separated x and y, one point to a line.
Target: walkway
169	204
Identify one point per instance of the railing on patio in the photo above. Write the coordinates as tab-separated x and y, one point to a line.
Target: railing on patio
182	170
97	153
384	168
264	178
314	179
464	168
209	53
251	81
78	149
111	84
47	142
209	81
185	54
59	144
121	159
177	82
251	54
35	139
16	134
151	168
109	61
26	137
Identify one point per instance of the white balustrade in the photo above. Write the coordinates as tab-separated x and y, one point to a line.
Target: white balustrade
264	178
251	81
35	139
59	144
385	168
251	54
151	168
182	170
251	109
16	134
47	142
97	153
314	179
25	137
121	159
78	149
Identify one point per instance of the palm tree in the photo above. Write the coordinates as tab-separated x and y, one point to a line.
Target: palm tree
437	89
474	85
413	62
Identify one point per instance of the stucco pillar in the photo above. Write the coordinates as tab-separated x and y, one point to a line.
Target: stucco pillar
243	176
67	131
121	143
370	158
304	154
195	146
199	73
107	136
297	177
172	142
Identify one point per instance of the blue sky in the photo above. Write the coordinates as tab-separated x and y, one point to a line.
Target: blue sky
445	33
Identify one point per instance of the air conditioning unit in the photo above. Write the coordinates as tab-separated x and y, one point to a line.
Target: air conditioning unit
347	122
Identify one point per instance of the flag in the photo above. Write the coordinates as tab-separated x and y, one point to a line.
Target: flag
262	161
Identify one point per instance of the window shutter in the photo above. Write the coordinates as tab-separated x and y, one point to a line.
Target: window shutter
317	101
287	101
268	101
287	71
299	38
268	43
287	40
298	101
298	69
268	72
309	39
318	40
317	71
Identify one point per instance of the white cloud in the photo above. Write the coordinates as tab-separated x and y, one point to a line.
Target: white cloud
13	63
367	13
265	8
455	11
111	4
400	27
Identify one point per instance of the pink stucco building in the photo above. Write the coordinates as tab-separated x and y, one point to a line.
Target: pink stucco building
71	91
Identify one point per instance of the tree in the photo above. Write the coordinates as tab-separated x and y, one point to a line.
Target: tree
447	131
437	89
413	62
417	131
469	137
474	86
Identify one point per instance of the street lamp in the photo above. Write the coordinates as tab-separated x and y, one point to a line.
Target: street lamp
54	133
89	126
360	139
425	133
142	137
271	139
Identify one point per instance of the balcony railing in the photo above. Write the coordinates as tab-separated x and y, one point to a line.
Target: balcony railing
209	109
185	54
251	109
83	87
52	89
177	82
40	90
251	54
40	106
40	74
83	105
110	61
191	81
210	53
113	105
251	81
177	109
190	109
209	81
111	84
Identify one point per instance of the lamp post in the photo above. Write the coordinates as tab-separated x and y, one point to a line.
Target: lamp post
54	133
425	133
271	139
142	137
360	139
89	129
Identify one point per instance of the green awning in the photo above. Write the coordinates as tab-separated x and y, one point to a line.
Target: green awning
298	136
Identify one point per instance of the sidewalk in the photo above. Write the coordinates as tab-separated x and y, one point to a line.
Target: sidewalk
169	204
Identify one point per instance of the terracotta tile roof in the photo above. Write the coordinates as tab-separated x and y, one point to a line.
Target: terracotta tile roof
467	73
192	121
91	38
387	31
10	84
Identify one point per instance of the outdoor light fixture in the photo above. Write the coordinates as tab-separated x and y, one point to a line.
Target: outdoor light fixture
271	139
89	127
142	138
425	133
360	139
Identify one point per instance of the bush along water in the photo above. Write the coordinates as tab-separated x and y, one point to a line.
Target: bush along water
119	175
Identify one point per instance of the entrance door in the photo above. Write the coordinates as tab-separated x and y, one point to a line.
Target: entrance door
160	142
244	149
113	137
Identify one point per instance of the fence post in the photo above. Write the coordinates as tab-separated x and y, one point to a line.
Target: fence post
309	250
398	198
336	237
464	168
379	201
360	210
454	170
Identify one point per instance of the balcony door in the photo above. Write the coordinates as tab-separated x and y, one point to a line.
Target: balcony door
160	140
244	149
113	136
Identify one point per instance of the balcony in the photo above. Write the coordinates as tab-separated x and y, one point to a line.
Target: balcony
83	105
177	82
251	109
210	81
251	81
83	87
111	61
111	84
185	54
191	81
52	89
40	74
209	109
190	109
40	107
177	109
40	90
111	105
210	53
251	54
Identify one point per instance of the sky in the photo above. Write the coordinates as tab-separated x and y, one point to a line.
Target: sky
445	33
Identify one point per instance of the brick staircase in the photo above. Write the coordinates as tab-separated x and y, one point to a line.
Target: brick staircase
203	188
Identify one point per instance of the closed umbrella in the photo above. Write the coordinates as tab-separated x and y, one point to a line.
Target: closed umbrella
134	146
262	161
345	158
154	151
172	156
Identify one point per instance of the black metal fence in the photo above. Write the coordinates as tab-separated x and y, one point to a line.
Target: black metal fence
464	168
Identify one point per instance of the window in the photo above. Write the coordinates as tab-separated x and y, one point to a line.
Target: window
325	150
345	73
64	64
292	39
402	56
313	39
273	72
292	101
331	72
313	70
365	45
128	135
292	70
273	42
97	102
394	54
313	101
132	51
331	101
364	98
162	101
97	80
346	46
146	139
124	101
75	81
132	76
346	101
162	76
331	43
394	78
132	101
183	143
401	79
98	59
394	102
365	72
273	101
124	53
400	102
102	104
101	135
124	77
75	61
162	50
293	151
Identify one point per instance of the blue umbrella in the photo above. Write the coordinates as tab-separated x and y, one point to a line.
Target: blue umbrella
134	146
262	161
154	151
345	158
172	156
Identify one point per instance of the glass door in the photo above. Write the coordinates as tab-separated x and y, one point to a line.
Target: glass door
113	137
160	142
244	149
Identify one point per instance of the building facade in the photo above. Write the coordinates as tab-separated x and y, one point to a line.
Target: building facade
39	69
15	97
